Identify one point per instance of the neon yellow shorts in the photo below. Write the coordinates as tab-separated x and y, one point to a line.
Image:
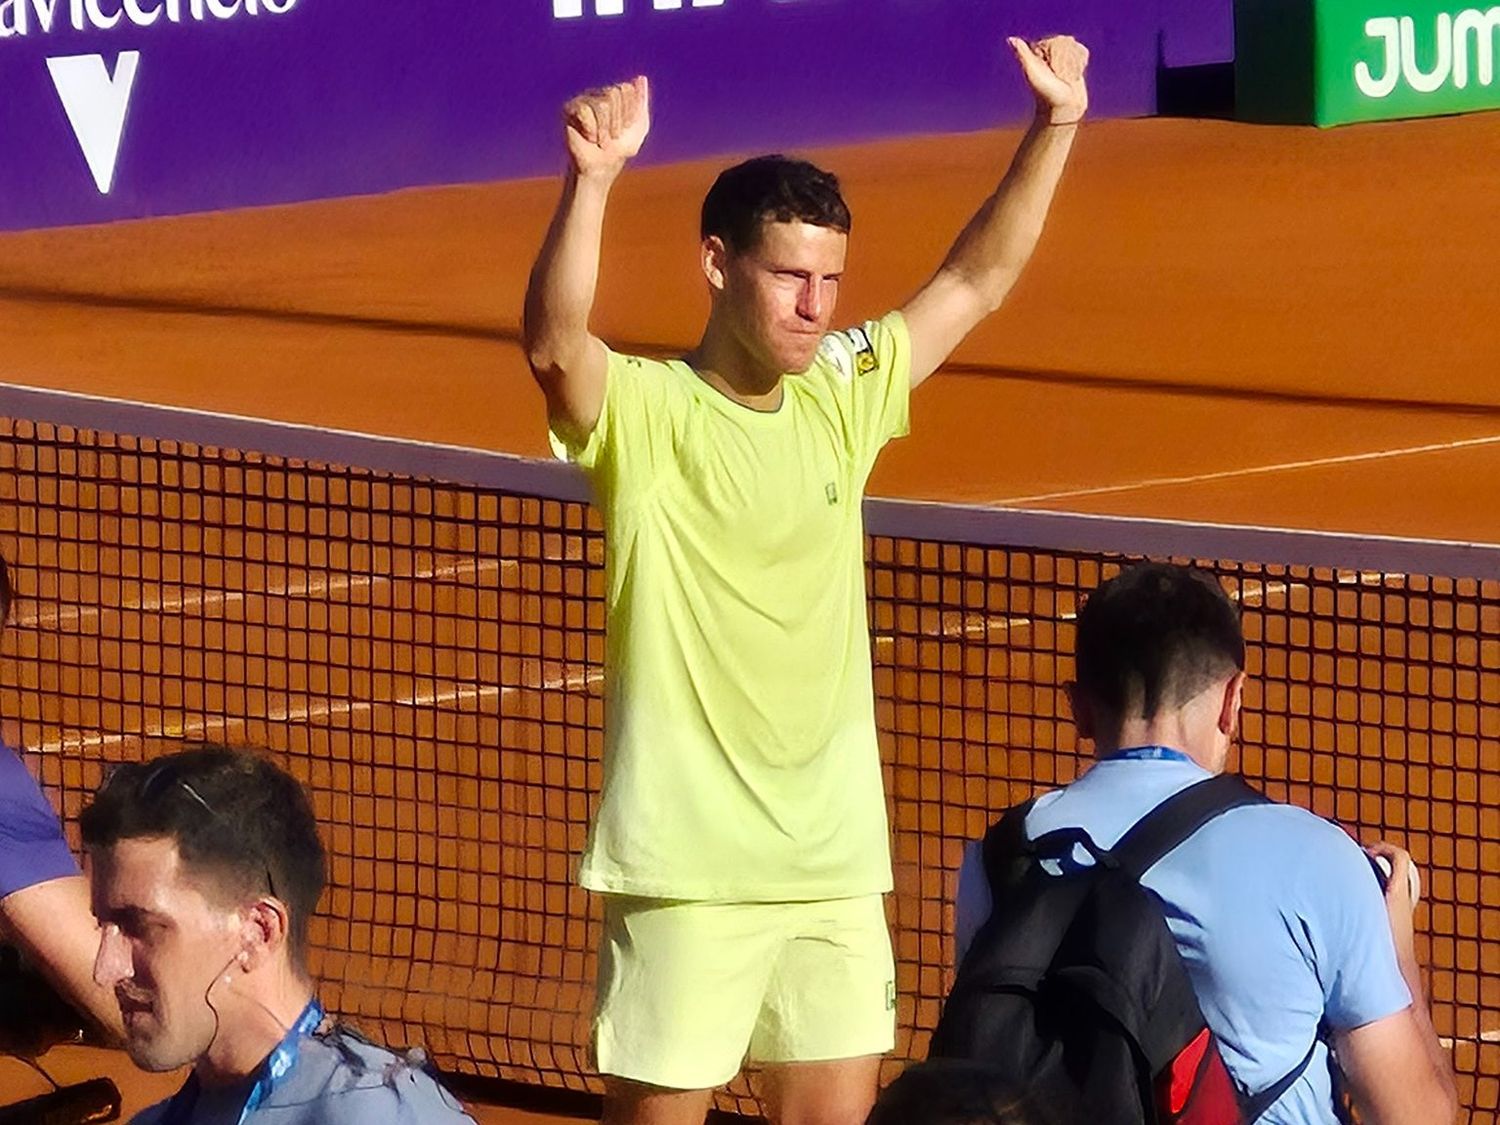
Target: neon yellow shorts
689	990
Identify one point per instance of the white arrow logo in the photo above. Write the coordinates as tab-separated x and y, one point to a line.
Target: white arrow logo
96	104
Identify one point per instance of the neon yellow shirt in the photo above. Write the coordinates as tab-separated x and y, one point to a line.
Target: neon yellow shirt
740	759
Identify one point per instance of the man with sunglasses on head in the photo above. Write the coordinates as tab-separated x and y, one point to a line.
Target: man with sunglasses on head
207	869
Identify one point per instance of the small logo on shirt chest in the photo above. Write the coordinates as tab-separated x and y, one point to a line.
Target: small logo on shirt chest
831	490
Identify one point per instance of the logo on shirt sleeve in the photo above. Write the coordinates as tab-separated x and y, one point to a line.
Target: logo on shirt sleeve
864	351
851	352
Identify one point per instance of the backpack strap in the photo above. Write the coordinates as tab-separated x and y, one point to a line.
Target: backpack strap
1174	820
1004	844
1254	1107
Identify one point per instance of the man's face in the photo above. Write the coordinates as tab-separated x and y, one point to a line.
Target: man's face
164	944
781	292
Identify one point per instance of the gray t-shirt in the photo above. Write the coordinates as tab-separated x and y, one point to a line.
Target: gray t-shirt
339	1079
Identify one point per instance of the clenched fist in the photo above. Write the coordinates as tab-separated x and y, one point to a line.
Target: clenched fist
1054	69
605	128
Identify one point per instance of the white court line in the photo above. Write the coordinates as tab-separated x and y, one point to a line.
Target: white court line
324	709
984	627
1267	590
1251	591
1257	470
1491	1036
1263	591
196	600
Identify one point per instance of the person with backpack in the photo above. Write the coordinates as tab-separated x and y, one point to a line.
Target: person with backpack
961	1092
1157	941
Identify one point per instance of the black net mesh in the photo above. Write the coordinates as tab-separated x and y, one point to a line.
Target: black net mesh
426	657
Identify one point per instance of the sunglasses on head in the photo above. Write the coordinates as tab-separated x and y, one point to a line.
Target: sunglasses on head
164	776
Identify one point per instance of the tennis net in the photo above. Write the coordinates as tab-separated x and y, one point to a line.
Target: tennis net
417	633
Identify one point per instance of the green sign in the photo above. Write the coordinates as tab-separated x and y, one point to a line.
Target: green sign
1330	62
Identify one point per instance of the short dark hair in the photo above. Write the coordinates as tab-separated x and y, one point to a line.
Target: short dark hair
960	1092
1153	637
775	189
233	814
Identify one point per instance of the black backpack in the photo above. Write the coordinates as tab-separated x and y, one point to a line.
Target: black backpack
1074	988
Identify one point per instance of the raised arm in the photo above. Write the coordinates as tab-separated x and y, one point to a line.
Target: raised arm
1398	1072
994	248
605	128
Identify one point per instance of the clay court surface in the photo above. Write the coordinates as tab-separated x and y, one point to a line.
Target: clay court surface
1285	328
1273	326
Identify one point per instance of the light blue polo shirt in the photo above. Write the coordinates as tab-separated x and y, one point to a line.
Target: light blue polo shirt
1277	913
334	1080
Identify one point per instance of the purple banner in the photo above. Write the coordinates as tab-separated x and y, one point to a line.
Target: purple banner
115	109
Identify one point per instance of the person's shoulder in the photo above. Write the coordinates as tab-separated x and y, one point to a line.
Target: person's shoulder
652	383
1310	851
342	1079
1297	825
635	366
849	354
634	361
14	776
23	805
33	849
152	1115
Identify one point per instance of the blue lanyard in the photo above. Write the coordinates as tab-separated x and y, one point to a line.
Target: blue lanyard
277	1066
1148	754
283	1058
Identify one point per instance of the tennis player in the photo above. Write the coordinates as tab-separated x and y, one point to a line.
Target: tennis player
741	844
